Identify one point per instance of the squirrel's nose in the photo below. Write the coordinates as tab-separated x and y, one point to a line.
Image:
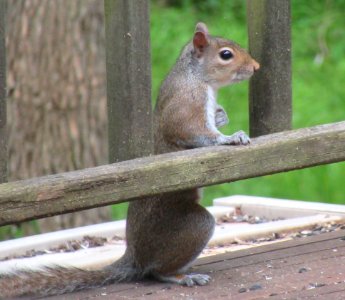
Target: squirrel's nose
256	65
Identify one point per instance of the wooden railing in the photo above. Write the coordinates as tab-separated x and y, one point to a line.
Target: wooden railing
142	177
130	127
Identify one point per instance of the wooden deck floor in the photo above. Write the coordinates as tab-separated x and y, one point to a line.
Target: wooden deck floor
305	268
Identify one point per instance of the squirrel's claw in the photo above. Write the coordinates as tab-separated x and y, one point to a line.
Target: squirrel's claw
199	279
186	279
238	138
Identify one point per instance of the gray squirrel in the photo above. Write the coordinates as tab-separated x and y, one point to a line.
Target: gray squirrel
165	233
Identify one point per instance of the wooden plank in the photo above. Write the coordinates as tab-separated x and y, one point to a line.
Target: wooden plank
283	276
128	63
270	44
334	291
293	263
274	257
277	251
322	274
324	241
142	177
3	131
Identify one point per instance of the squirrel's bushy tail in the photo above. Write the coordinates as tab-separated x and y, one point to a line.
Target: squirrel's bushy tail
59	280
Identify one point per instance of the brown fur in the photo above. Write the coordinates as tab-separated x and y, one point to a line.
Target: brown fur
167	232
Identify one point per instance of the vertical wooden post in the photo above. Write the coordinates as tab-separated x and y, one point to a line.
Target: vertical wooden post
3	131
270	102
128	61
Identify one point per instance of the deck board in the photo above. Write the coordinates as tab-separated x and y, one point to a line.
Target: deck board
305	268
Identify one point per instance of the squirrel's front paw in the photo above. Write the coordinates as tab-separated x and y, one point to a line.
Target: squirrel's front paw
221	118
238	138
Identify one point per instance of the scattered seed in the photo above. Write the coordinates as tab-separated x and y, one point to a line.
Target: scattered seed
255	287
302	270
242	290
306	232
315	285
276	235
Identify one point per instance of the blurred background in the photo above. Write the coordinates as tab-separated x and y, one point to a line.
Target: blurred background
57	90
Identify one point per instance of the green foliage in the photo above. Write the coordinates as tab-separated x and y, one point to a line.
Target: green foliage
119	211
318	71
206	7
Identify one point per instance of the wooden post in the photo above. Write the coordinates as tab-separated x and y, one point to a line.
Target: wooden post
128	62
3	131
270	102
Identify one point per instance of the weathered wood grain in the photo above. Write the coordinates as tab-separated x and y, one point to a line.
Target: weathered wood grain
128	63
305	268
138	178
270	107
3	131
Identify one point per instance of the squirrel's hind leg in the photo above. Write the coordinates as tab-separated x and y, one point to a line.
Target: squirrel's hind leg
185	247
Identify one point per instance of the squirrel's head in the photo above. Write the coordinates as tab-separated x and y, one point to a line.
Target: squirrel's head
223	62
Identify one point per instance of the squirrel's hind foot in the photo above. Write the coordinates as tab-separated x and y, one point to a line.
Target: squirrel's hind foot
186	279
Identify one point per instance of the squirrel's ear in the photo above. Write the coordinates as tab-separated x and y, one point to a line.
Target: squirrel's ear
201	27
200	39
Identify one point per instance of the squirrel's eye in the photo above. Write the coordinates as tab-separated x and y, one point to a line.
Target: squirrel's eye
226	54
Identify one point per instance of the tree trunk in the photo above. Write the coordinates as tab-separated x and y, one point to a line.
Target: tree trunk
57	93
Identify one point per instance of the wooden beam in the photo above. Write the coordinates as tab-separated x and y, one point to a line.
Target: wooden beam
142	177
128	62
270	104
3	131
